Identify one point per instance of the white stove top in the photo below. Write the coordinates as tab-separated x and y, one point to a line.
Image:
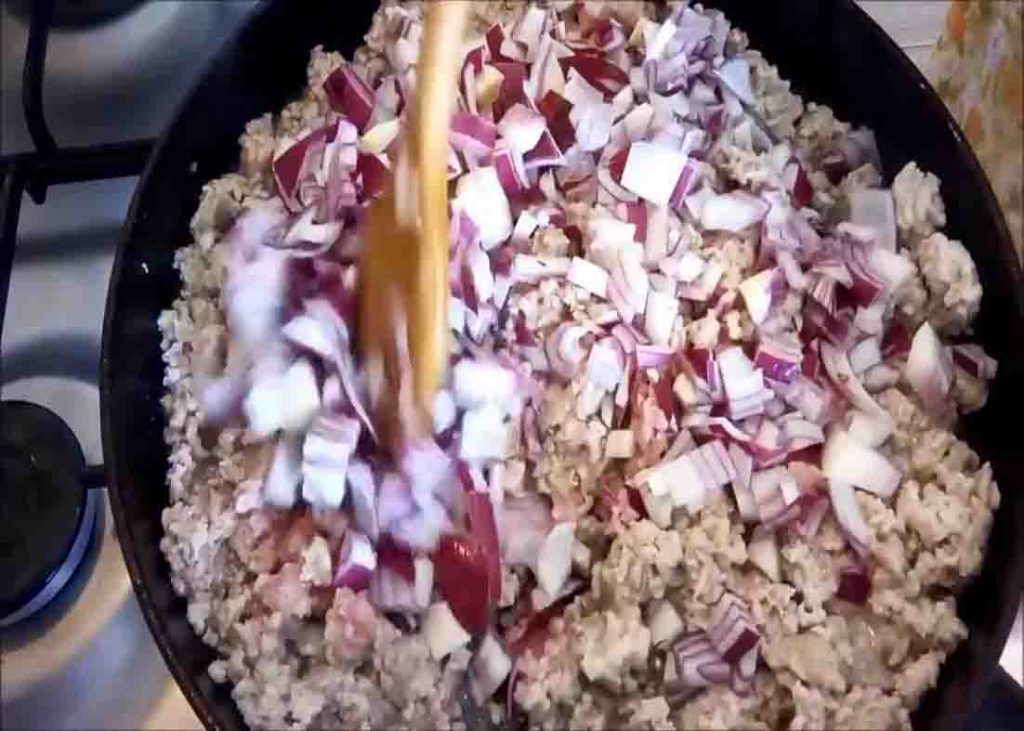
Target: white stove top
67	667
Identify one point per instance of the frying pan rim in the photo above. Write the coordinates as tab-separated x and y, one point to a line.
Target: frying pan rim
200	702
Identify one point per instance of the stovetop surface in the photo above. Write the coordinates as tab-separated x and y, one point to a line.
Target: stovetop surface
65	668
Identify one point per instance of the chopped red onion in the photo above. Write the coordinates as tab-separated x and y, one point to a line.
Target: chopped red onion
732	631
525	523
461	572
652	172
326	450
593	125
844	504
489	668
443	630
556	110
480	517
929	370
844	458
554	558
285	401
840	372
734	212
589	276
292	166
599	73
391	592
659	316
473	135
485	434
348	94
974	360
522	128
779	360
356	562
363	489
479	382
854	583
867	285
281	485
864	355
480	196
606	364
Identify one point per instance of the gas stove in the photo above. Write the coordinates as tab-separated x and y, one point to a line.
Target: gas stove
70	628
102	78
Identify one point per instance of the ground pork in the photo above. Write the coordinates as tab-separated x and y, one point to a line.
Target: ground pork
300	653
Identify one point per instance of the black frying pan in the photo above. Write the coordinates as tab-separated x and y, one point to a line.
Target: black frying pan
830	50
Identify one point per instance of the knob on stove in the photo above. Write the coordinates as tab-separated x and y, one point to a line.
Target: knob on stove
46	513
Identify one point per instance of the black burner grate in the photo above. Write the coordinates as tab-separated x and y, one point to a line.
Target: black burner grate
45	508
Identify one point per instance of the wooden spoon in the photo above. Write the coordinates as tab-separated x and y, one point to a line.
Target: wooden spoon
403	328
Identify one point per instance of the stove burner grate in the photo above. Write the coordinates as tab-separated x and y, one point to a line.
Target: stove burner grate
47	511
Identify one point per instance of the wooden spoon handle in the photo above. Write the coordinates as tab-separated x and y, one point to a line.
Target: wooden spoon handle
437	84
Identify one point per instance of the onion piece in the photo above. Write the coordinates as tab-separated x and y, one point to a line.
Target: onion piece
589	276
423	580
326	450
868	429
461	572
348	94
525	523
522	128
485	434
281	485
846	459
295	163
734	212
929	369
443	631
865	354
660	316
363	490
479	382
735	74
652	172
489	668
554	559
732	631
854	583
593	124
472	135
285	401
480	196
840	372
867	284
481	520
556	111
975	361
356	562
848	515
778	360
599	73
391	592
